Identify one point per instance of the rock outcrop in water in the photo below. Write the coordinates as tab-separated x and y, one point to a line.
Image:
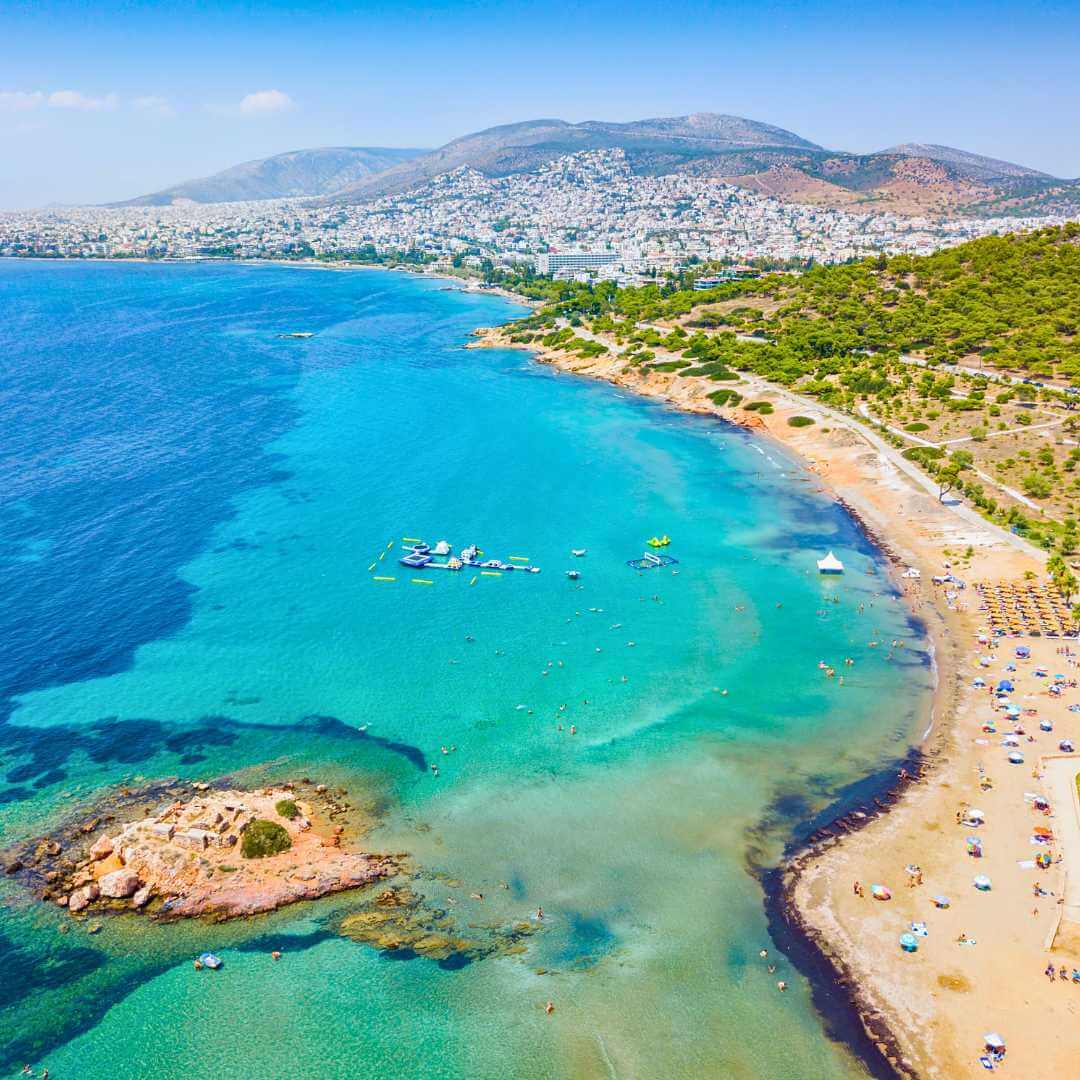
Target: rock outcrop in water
186	857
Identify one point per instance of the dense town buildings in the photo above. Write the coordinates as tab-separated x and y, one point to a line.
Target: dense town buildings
590	204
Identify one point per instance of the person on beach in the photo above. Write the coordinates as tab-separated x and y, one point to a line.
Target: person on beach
1049	972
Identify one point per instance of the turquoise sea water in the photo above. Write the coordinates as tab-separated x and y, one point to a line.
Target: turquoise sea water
188	520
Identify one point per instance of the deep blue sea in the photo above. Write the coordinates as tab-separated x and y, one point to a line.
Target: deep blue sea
191	505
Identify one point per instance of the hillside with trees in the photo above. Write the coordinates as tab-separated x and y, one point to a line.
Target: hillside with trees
967	359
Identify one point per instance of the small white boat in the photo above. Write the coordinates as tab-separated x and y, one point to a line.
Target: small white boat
578	552
830	565
209	960
573	575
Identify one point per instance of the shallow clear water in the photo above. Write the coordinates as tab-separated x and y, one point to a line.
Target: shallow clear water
188	513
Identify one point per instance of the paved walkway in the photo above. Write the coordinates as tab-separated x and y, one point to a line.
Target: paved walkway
1060	784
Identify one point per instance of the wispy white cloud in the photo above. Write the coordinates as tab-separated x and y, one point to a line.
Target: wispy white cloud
154	104
20	100
73	99
266	101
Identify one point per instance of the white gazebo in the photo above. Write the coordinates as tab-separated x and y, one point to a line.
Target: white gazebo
830	565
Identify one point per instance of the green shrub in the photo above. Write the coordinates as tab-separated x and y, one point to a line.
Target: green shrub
262	838
800	421
287	808
763	407
725	397
917	426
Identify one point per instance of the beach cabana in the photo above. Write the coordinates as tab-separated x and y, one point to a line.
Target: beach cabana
974	817
830	565
982	883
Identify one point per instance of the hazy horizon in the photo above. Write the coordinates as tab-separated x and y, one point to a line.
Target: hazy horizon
98	106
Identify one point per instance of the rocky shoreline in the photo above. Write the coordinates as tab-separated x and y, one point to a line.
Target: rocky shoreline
175	850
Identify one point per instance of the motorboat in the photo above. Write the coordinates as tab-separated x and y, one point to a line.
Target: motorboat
578	552
209	960
573	575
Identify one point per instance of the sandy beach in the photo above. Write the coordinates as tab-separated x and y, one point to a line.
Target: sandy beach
930	1010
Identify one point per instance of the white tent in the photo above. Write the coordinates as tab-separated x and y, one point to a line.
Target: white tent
830	565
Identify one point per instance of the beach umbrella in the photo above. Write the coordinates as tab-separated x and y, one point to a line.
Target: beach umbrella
979	683
908	942
994	1041
940	901
1016	758
982	883
880	892
973	816
1045	725
1006	686
1066	746
1012	710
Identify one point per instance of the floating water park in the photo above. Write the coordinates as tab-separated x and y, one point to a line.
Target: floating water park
423	556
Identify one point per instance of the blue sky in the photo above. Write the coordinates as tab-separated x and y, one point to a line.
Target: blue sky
108	100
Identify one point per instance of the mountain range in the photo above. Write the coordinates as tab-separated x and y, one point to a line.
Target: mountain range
293	174
912	178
